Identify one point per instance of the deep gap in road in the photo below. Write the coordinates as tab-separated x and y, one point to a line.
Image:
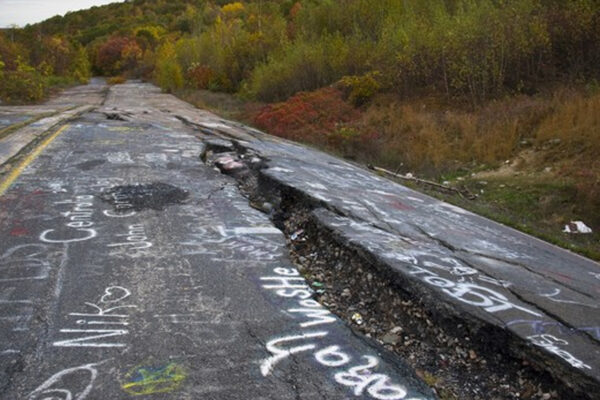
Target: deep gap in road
155	196
114	117
118	115
458	358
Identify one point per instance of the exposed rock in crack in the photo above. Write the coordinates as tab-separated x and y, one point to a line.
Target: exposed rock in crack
457	355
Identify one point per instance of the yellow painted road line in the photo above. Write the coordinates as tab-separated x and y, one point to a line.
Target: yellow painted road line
14	174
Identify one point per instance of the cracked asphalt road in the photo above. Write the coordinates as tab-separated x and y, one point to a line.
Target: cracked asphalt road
128	267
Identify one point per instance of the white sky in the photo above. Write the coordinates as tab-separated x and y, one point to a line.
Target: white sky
22	12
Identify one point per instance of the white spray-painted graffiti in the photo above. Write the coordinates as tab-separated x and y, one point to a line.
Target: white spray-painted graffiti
113	214
15	314
250	244
23	270
378	386
551	343
80	220
108	319
492	302
24	262
54	388
121	202
552	296
278	354
469	293
122	157
458	281
135	240
288	283
540	327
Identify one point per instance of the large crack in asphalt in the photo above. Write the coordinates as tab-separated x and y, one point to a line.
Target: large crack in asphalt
468	360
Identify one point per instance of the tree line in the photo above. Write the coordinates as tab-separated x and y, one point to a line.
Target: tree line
270	50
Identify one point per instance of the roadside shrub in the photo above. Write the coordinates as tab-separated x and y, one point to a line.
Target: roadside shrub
360	89
116	80
145	67
24	84
310	117
233	45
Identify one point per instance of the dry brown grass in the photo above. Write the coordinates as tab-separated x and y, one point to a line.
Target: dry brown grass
559	132
570	139
575	121
432	139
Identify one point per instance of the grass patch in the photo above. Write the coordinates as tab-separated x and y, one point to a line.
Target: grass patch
538	205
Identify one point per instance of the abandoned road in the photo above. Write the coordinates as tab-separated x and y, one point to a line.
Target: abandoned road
144	252
129	267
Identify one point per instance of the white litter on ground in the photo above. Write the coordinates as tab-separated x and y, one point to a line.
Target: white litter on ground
577	227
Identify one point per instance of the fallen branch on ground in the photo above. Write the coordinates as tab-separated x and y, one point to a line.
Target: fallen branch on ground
461	192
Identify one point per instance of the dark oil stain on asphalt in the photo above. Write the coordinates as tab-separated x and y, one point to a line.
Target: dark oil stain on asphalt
153	196
86	166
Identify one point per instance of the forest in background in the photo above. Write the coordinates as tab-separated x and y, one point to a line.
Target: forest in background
270	50
442	88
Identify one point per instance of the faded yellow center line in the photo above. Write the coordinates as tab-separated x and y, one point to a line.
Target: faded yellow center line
14	174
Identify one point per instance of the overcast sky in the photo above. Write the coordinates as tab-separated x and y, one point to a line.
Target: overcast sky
23	12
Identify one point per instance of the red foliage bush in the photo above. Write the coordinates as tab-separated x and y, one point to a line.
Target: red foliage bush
307	116
118	54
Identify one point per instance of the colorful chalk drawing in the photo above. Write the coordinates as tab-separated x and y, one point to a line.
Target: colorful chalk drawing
151	379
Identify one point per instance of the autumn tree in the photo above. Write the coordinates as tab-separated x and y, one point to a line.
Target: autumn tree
117	55
58	54
167	72
80	68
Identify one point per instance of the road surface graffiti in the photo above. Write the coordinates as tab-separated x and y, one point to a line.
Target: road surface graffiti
288	283
108	318
80	220
55	387
133	241
551	343
154	379
540	327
